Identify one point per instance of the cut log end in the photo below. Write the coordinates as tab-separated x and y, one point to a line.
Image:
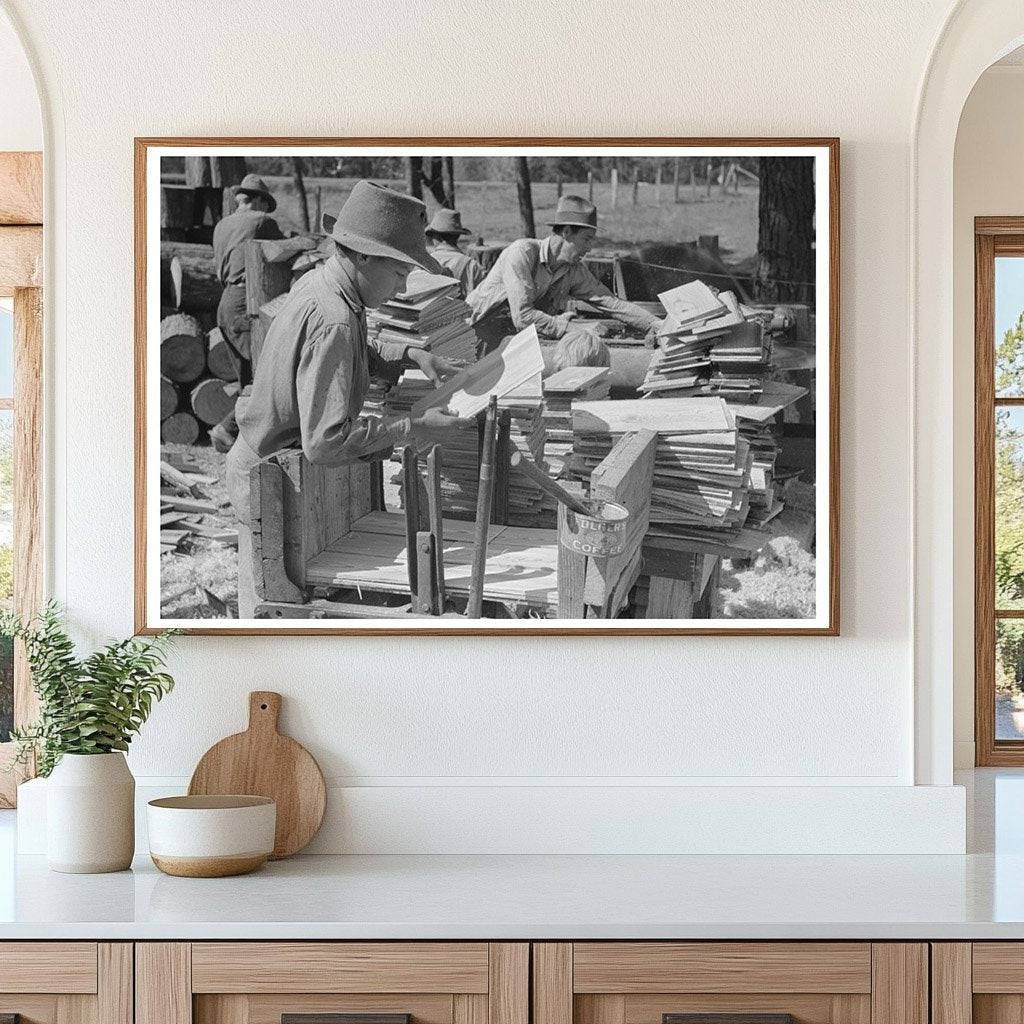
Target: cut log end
182	348
210	401
168	398
180	428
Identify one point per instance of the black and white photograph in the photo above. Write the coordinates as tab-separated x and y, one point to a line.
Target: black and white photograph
439	387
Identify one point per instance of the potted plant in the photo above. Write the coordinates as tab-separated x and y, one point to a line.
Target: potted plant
89	709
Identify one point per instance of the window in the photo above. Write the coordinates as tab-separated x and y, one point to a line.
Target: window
999	490
21	351
6	510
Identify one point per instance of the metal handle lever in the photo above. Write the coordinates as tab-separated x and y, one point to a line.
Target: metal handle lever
728	1018
342	1018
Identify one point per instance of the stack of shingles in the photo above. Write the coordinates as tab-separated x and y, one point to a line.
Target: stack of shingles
702	466
528	505
429	314
561	390
188	517
710	344
460	454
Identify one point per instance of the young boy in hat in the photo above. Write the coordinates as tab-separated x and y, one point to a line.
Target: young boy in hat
316	362
251	219
444	232
533	280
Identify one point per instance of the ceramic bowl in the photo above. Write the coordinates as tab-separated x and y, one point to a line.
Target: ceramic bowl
211	836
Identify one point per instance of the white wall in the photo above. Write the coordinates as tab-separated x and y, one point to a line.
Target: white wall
490	712
21	124
988	181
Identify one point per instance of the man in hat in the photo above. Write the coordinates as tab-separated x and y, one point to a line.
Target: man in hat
251	219
444	232
533	280
316	361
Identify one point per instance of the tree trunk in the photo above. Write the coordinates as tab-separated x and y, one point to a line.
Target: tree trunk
182	348
217	171
785	244
414	171
433	179
525	196
448	176
300	191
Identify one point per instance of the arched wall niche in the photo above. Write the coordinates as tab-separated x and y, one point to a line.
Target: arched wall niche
975	34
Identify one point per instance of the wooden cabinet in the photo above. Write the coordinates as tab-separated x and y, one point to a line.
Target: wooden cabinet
815	982
494	983
980	982
258	982
66	982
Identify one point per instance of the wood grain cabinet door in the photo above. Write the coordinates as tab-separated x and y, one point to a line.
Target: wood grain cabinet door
66	982
980	982
308	982
730	983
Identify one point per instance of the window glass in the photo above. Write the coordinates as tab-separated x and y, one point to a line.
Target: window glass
1009	327
1009	679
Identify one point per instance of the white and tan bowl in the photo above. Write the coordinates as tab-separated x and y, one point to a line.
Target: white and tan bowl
211	836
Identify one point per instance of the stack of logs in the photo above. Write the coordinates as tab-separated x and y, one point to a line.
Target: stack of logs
198	380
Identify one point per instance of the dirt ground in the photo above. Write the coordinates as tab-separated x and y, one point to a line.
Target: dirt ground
490	209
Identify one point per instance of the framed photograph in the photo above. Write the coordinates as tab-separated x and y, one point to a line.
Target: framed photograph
487	386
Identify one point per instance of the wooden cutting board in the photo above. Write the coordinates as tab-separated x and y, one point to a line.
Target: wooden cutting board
262	762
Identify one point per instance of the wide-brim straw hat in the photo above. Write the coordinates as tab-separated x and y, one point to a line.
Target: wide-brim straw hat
447	222
379	221
254	185
574	211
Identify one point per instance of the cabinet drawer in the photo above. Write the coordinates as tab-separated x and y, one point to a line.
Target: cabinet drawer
259	982
634	967
66	982
48	967
750	982
340	967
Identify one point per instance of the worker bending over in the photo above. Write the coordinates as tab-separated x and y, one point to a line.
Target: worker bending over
251	219
533	280
444	232
316	362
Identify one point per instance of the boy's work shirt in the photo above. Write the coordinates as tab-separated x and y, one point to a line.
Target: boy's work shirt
459	265
534	289
313	374
229	238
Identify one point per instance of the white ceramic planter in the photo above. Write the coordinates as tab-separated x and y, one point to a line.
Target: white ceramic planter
90	814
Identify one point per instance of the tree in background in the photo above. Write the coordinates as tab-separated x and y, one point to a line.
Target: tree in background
300	191
214	171
785	241
525	196
1009	510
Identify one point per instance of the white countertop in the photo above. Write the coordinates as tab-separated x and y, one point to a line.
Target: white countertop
977	896
532	897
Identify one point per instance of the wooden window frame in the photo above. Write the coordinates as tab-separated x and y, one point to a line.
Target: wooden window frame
21	273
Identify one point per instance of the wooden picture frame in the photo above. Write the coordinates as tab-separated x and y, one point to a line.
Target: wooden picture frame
21	264
291	621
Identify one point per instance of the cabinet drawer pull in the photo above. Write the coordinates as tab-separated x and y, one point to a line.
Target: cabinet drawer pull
728	1018
339	1018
